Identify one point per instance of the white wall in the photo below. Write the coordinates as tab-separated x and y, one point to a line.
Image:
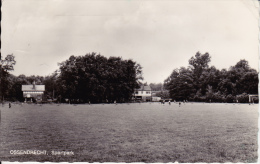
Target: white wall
143	93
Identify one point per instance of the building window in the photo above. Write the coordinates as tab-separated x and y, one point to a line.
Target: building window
136	92
147	92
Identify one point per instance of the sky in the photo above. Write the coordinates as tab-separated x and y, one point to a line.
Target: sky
159	35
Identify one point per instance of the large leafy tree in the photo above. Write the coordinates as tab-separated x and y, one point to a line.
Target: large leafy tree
180	84
185	83
210	76
6	65
51	86
243	78
199	64
18	81
200	82
96	78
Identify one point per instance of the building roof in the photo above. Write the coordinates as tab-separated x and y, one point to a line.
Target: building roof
144	88
30	88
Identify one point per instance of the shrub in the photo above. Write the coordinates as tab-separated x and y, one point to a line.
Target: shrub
256	100
229	98
243	98
217	97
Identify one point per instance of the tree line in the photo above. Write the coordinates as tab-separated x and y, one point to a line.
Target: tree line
201	82
90	78
95	78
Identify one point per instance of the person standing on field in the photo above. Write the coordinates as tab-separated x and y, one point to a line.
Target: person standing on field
10	105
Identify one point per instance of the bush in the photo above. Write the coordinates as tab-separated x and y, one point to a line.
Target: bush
256	100
243	98
203	98
218	97
215	97
229	98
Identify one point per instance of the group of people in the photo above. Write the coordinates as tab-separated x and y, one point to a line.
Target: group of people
184	101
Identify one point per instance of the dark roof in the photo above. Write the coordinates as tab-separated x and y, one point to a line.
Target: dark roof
144	88
30	88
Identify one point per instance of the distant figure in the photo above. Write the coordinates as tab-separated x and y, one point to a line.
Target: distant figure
169	102
88	102
10	105
179	104
115	102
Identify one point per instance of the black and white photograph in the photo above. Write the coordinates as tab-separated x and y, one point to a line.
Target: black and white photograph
124	81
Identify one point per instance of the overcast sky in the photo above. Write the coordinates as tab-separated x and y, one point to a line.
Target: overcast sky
159	35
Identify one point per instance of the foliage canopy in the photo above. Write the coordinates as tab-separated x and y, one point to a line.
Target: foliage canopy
200	82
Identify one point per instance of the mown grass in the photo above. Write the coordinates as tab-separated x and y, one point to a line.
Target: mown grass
131	133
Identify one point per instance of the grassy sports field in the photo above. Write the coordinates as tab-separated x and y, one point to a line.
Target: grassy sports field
131	133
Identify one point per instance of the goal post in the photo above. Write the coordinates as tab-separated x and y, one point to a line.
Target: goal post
252	97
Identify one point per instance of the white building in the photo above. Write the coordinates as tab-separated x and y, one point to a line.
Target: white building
144	93
33	92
